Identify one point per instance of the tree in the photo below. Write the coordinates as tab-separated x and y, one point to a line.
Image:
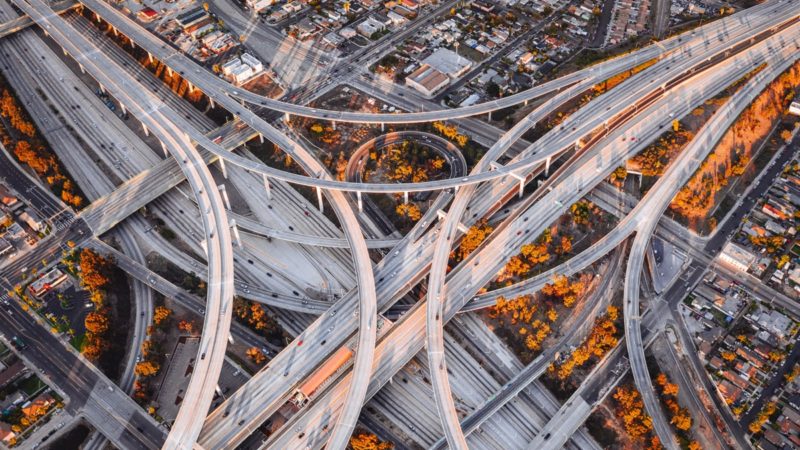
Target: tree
256	355
409	210
146	368
362	440
94	270
96	323
187	326
161	314
473	238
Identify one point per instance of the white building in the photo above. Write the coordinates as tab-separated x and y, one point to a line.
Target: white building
369	27
427	80
737	257
448	62
242	73
33	220
253	62
259	5
231	65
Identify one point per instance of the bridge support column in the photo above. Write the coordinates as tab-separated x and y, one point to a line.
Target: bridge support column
547	167
222	168
235	230
319	200
526	102
224	194
521	180
83	71
230	338
461	227
191	86
65	51
124	110
97	17
382	127
150	57
261	137
490	116
211	101
164	147
405	197
114	30
286	117
102	89
333	124
133	44
266	186
169	70
146	132
360	203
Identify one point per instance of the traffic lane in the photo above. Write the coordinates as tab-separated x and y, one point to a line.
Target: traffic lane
19	182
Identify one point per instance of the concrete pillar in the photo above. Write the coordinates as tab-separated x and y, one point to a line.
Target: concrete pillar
405	197
224	194
547	167
230	338
521	183
191	86
286	117
333	124
150	57
114	30
382	127
319	200
222	168
211	100
490	116
235	230
146	132
266	186
124	111
261	137
164	147
97	17
65	51
133	44
526	102
83	71
360	203
102	89
169	71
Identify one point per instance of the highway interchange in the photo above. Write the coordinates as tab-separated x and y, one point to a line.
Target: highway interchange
640	109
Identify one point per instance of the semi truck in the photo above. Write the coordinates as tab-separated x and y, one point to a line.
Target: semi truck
330	369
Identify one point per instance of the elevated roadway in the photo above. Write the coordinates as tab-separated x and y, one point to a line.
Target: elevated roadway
662	194
445	404
243	430
220	290
720	78
219	90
